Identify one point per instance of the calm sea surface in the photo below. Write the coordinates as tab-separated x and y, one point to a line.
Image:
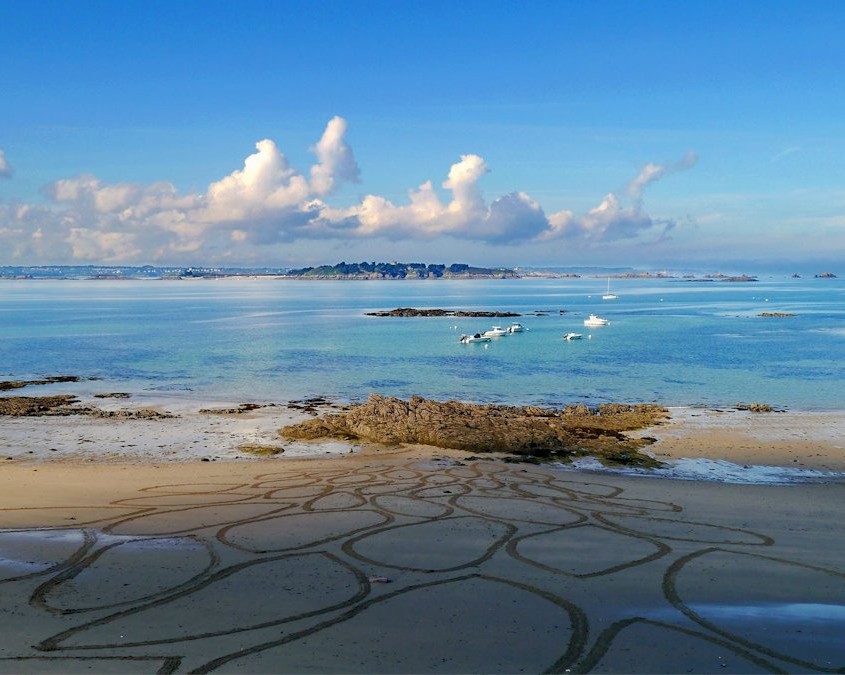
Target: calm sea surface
669	341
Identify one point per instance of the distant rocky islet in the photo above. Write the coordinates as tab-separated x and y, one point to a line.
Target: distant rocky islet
414	312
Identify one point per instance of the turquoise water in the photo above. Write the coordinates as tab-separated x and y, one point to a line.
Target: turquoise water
669	341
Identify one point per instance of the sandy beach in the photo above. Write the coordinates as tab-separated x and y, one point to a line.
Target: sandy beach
814	440
418	560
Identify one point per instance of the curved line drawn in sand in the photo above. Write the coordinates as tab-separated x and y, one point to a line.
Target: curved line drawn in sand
290	560
40	597
776	626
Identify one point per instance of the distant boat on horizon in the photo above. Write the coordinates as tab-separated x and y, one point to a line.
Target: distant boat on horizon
609	295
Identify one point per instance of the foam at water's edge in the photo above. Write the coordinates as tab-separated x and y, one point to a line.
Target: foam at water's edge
714	470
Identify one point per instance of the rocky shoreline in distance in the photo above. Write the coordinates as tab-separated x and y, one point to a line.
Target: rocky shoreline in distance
531	433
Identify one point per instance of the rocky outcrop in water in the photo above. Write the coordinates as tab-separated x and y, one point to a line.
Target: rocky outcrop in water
528	431
410	312
19	384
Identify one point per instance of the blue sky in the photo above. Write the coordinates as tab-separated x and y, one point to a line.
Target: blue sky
653	134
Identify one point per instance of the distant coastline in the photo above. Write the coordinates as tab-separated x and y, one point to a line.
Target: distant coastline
353	271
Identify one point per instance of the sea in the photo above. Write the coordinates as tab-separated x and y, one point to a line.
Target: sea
672	341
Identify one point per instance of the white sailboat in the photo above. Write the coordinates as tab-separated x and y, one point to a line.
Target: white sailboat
609	295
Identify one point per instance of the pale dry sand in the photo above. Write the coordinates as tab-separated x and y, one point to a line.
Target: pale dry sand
118	555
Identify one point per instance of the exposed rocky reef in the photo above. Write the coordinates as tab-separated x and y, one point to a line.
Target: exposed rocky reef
35	406
410	311
67	404
776	315
530	431
240	410
312	405
756	406
742	278
19	384
261	450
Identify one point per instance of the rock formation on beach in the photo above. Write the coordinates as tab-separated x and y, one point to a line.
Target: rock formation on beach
65	405
528	431
36	406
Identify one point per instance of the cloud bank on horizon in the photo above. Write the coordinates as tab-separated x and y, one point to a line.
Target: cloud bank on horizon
269	202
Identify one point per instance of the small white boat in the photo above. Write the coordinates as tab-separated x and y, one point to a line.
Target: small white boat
516	328
478	337
495	331
594	320
572	336
609	295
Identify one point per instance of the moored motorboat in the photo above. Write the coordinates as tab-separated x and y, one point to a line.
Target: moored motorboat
495	331
594	320
572	336
478	337
516	328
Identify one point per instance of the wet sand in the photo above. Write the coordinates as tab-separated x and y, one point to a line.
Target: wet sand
120	552
813	440
412	561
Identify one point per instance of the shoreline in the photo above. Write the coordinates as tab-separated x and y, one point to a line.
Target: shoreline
805	439
800	440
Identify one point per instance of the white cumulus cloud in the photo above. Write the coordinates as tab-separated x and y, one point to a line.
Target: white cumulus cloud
267	202
335	160
266	184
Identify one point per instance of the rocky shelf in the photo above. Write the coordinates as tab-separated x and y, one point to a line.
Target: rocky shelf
20	384
64	405
529	432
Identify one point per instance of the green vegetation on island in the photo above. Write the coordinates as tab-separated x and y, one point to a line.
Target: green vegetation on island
399	270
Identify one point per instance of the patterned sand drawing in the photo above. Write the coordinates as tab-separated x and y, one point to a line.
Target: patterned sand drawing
325	569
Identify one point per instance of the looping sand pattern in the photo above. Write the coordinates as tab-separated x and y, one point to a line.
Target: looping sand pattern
398	564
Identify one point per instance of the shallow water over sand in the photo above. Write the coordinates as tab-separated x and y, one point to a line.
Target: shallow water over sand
716	470
670	341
